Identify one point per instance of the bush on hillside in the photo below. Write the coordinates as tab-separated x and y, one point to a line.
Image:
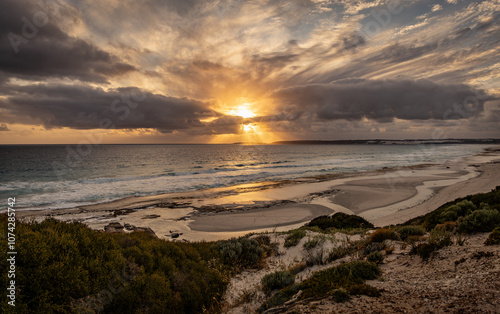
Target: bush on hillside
481	220
340	221
375	257
408	231
480	201
294	237
277	280
67	267
494	237
382	234
350	277
240	251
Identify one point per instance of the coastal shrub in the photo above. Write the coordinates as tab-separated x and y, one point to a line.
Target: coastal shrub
350	277
240	251
340	295
449	226
430	220
459	209
316	256
343	250
408	231
313	242
494	237
345	275
375	257
67	268
294	237
269	248
382	234
277	280
295	269
481	220
424	250
340	221
438	239
372	247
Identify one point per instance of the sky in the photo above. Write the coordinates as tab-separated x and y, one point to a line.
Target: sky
224	71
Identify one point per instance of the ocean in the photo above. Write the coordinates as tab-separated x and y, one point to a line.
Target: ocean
60	176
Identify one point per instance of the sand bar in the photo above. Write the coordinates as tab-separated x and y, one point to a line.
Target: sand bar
263	218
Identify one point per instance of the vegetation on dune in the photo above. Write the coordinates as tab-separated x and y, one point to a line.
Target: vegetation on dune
277	280
240	252
382	234
494	237
340	282
340	221
294	237
409	231
67	267
465	207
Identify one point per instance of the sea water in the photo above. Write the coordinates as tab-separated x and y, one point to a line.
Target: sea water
59	176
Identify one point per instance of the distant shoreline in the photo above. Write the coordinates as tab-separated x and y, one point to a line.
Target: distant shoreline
310	142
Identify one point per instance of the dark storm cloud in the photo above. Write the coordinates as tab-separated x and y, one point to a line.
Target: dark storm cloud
382	100
33	52
83	107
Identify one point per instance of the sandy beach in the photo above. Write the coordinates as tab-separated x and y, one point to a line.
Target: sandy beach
384	197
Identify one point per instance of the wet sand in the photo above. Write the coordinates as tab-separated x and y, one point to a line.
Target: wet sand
263	218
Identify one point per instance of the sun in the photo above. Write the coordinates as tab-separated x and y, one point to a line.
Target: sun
243	111
249	128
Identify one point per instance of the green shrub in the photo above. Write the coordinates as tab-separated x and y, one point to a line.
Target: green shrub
240	251
481	220
345	275
408	231
340	221
440	237
317	256
372	247
343	250
277	280
269	248
340	295
450	226
350	277
424	250
294	237
382	234
459	209
67	268
311	243
489	200
375	257
494	237
263	239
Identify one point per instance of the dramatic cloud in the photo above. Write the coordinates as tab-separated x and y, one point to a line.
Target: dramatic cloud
32	47
383	100
82	107
302	68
